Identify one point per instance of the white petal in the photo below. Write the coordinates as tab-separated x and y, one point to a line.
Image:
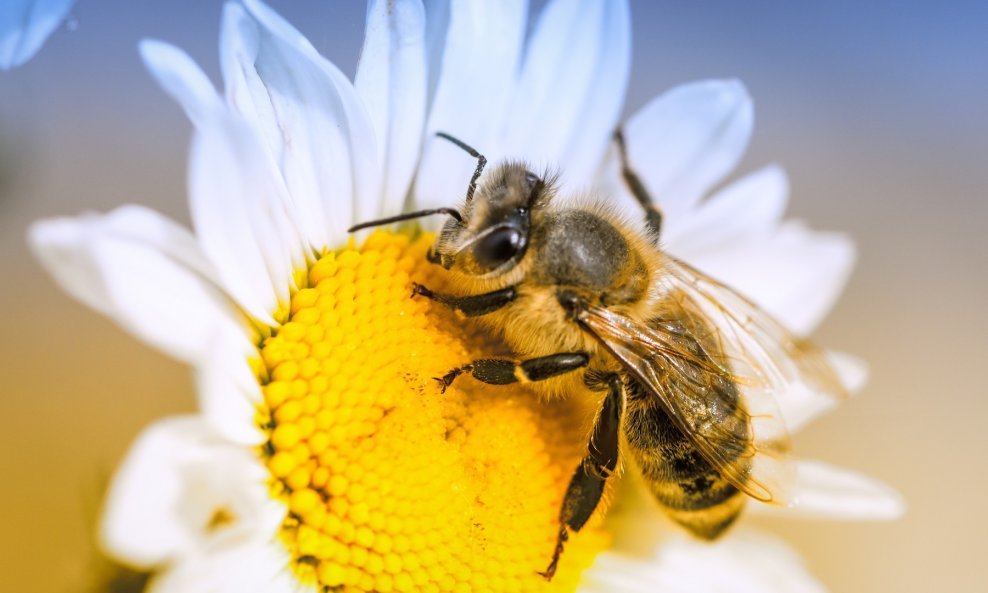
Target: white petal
801	404
572	87
144	483
391	80
795	274
742	562
181	78
436	28
241	215
748	208
476	67
852	370
228	391
143	271
253	567
686	140
313	125
828	492
166	495
25	25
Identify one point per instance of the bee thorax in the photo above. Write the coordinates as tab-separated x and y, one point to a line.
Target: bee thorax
582	250
587	253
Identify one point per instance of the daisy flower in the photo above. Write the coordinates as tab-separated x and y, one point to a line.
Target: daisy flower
322	456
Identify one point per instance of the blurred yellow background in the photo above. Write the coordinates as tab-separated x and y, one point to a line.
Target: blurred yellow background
879	114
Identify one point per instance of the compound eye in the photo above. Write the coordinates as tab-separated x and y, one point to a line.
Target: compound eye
498	247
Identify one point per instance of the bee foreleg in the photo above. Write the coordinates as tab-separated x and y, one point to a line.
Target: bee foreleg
653	214
586	487
470	306
499	371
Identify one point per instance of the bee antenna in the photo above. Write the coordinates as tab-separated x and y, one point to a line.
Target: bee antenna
407	216
481	161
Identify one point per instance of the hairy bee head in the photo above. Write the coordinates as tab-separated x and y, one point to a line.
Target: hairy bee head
496	224
490	234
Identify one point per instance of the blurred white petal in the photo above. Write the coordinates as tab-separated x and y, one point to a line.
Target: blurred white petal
571	88
475	76
744	562
182	488
853	371
824	491
181	78
800	403
143	271
313	125
391	80
256	566
687	139
25	25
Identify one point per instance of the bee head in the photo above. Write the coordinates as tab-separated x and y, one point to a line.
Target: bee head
489	235
493	235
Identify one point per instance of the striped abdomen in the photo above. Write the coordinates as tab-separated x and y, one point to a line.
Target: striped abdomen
692	491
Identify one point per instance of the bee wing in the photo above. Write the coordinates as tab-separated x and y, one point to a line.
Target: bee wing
760	350
750	450
706	335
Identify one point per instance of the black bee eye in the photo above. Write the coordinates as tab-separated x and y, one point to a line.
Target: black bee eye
498	247
531	178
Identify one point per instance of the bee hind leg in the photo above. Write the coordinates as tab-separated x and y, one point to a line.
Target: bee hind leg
653	214
586	487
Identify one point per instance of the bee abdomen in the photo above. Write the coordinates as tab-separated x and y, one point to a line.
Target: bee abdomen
692	492
704	502
710	522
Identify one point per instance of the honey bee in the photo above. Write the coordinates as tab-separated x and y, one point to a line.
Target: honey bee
587	302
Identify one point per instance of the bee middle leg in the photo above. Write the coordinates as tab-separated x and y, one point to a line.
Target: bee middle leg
586	487
499	371
653	214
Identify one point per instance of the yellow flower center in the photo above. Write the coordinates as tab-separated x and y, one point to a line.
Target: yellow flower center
391	485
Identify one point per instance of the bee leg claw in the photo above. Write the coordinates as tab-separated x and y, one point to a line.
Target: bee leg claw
550	570
443	383
418	289
446	380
